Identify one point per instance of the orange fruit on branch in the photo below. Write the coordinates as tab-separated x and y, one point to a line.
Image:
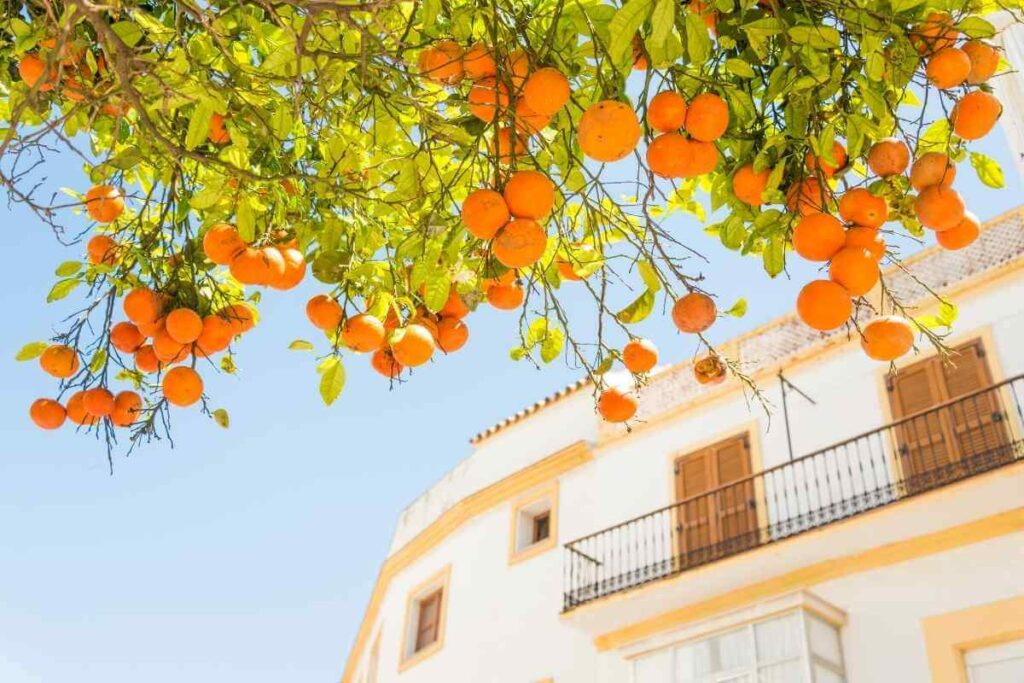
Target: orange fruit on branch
294	269
215	336
146	361
487	98
855	269
828	169
98	402
932	168
168	349
709	370
935	33
975	114
861	207
529	194
866	238
324	312
221	243
218	133
707	117
749	185
887	338
76	411
59	361
529	121
984	61
888	157
32	70
102	249
807	196
363	333
442	63
478	62
104	203
666	112
615	405
546	91
939	207
608	131
818	236
824	305
182	386
125	337
412	345
508	144
961	235
639	355
703	158
47	413
127	408
517	69
383	361
183	325
948	68
484	213
452	334
669	156
519	244
240	316
143	306
454	307
694	312
506	297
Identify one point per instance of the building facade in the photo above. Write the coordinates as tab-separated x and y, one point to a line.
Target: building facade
879	538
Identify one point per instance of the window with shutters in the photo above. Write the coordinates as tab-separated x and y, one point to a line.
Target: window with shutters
717	512
936	443
425	619
534	524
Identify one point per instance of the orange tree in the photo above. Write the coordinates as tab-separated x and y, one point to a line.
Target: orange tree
421	159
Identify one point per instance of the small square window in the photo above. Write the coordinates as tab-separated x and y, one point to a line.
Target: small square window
425	619
534	524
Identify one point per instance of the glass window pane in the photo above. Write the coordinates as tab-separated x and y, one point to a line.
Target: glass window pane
778	638
825	675
693	662
786	672
733	650
654	668
824	640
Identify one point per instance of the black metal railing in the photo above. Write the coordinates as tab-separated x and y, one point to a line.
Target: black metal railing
971	434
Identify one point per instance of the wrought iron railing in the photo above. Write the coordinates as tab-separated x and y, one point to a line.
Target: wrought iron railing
971	434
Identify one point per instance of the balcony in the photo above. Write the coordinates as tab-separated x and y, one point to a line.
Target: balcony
967	436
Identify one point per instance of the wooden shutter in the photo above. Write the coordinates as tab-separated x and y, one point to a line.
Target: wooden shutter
694	476
428	620
976	422
737	512
925	442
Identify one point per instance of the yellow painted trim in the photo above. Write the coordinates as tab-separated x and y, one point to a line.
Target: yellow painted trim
948	636
485	499
551	492
804	578
440	580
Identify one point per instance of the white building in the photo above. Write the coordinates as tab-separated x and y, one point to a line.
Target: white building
695	549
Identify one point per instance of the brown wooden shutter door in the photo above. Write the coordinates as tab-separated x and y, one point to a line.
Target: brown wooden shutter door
737	511
925	442
977	422
694	476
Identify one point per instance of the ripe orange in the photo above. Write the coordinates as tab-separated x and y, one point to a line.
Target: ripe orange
888	157
127	408
861	207
984	61
567	271
452	334
454	307
866	238
528	121
143	305
184	325
887	338
748	185
508	144
707	117
824	305
932	168
412	345
151	329
666	112
807	196
936	33
960	235
76	410
608	131
639	355
294	269
818	236
47	413
975	114
505	297
694	312
59	361
363	333
478	62
669	156
102	249
546	91
146	361
839	160
855	269
253	266
182	386
125	337
240	316
948	68
517	69
615	405
529	194
487	98
218	134
442	63
383	361
519	244
324	312
709	370
939	207
276	267
32	69
168	349
98	402
215	337
484	213
104	203
703	159
221	243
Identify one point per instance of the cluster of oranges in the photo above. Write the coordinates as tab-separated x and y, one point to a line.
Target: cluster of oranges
673	155
86	407
394	346
68	71
520	100
280	266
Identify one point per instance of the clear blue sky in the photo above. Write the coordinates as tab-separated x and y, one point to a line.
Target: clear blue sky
249	554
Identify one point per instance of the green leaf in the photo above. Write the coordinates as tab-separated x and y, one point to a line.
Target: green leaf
947	315
281	122
650	276
988	170
739	67
904	5
97	361
199	124
663	19
68	268
245	218
738	309
976	27
128	31
623	27
221	417
552	345
62	289
698	42
300	345
818	37
332	379
227	364
31	350
774	256
639	309
436	290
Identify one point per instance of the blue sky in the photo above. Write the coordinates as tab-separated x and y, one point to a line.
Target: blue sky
249	553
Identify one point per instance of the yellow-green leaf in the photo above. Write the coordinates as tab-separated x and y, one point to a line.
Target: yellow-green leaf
30	351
